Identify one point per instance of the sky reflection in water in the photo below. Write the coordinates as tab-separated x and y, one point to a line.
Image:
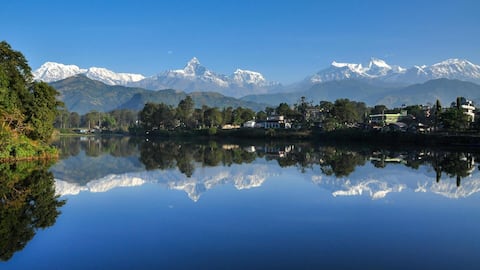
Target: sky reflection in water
266	211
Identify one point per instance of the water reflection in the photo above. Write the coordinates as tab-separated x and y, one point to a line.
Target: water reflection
27	203
197	166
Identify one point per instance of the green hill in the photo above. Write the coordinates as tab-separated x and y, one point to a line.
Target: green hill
81	94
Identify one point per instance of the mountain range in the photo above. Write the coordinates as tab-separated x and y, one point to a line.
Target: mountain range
379	70
375	82
81	94
193	77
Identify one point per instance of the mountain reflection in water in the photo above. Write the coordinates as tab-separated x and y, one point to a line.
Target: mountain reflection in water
98	164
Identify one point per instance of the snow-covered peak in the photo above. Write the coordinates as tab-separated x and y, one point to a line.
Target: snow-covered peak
378	69
378	63
109	77
454	61
241	76
353	67
454	69
194	68
51	71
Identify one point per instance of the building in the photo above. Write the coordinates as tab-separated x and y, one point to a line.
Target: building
249	124
386	118
275	121
468	108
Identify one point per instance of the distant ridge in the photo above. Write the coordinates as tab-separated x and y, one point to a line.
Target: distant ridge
81	94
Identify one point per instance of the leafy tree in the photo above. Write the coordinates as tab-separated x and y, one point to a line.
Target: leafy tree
147	116
213	117
185	111
241	115
379	109
28	203
453	119
42	110
33	104
437	110
345	111
261	115
92	119
269	111
15	79
227	115
283	109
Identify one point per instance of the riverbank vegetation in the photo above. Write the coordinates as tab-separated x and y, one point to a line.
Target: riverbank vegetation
27	110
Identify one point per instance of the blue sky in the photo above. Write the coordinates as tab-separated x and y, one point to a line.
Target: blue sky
284	40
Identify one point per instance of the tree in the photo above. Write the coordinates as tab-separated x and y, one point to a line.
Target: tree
437	110
345	111
15	79
379	109
34	103
269	111
28	203
147	116
185	111
261	115
283	109
227	115
213	117
453	119
241	115
42	110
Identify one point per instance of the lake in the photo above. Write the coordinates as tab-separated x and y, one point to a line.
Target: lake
128	203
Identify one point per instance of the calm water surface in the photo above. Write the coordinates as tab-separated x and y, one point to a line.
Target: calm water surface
210	205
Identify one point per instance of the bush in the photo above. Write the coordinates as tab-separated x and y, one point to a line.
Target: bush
212	131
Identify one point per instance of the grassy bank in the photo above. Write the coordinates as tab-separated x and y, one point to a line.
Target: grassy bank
18	147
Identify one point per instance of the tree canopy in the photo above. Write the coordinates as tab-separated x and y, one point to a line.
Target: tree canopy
26	106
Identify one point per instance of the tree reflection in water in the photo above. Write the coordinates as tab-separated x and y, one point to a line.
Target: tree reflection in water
27	203
332	160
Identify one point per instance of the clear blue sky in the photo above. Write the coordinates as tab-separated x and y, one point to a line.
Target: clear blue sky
284	40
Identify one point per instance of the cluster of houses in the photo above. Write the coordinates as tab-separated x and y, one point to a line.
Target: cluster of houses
383	121
275	121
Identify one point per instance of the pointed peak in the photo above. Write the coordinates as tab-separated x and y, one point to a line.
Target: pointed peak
194	67
378	62
193	61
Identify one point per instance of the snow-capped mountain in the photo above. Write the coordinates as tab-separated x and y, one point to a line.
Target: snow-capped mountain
196	77
378	69
109	77
51	72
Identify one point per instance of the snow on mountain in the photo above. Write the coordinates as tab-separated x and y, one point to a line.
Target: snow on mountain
109	77
378	69
51	72
242	77
196	77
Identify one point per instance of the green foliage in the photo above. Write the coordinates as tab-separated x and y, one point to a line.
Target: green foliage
42	110
27	108
212	131
185	111
212	117
28	203
453	119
